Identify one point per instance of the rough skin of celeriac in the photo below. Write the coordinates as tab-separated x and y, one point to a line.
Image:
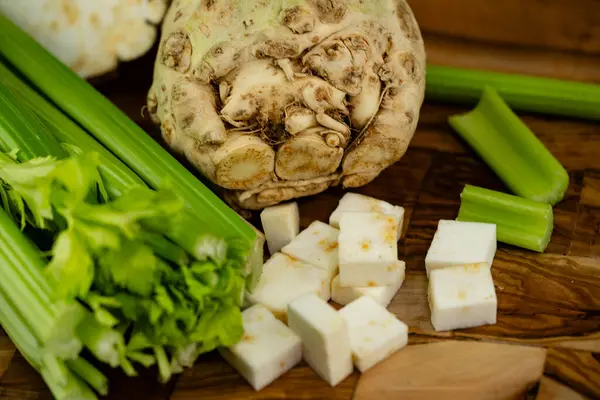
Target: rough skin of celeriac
89	36
278	99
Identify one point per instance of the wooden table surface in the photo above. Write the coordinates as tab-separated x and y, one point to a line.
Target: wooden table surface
546	343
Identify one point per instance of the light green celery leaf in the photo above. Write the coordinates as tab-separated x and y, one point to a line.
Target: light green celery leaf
127	211
146	360
71	265
195	288
79	175
32	181
219	325
138	341
99	238
98	304
132	266
163	299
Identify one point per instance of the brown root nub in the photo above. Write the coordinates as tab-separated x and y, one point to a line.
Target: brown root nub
243	162
386	140
298	18
278	49
366	104
306	156
194	108
321	96
330	11
177	52
298	119
259	91
206	5
401	67
152	107
220	60
331	123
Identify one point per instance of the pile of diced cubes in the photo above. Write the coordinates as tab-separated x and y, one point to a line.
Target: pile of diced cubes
353	261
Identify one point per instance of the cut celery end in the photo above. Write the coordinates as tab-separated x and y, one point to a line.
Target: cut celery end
519	222
511	150
521	92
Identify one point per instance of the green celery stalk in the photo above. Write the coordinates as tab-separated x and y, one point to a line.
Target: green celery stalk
509	147
519	222
111	127
521	92
22	282
63	384
89	374
118	178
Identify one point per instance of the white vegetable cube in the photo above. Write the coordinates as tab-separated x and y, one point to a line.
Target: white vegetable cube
368	250
325	338
383	295
375	333
462	297
267	350
316	245
284	279
354	202
281	224
458	243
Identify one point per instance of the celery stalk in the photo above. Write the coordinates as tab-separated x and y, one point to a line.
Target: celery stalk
89	374
111	127
519	222
515	154
118	178
521	92
52	323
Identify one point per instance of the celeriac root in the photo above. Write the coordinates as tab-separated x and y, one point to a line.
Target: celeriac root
257	94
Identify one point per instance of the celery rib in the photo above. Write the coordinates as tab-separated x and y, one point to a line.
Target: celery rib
511	150
522	92
111	127
519	222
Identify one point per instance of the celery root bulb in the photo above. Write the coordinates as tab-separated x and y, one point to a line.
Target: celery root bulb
278	99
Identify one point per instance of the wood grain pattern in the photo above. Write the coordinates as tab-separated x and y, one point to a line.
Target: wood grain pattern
7	350
577	369
454	370
553	390
550	301
549	24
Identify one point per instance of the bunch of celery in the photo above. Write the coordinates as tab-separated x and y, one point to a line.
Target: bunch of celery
136	275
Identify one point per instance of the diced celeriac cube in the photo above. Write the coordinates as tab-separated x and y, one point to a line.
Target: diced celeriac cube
354	202
368	250
458	243
325	338
267	350
383	295
316	245
462	297
284	279
281	224
375	333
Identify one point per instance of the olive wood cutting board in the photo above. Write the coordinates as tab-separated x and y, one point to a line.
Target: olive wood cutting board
546	342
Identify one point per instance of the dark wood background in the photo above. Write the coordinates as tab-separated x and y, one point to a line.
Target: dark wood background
549	305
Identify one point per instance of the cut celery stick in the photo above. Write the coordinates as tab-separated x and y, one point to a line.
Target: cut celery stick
515	154
521	92
519	222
